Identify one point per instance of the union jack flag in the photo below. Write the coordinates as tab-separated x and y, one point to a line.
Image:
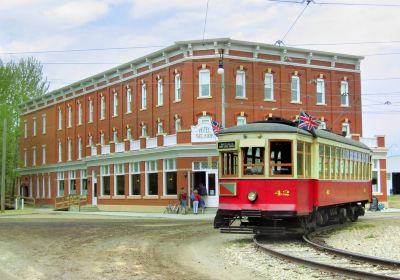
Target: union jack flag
307	122
217	128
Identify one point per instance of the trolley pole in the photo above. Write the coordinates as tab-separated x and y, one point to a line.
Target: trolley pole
3	169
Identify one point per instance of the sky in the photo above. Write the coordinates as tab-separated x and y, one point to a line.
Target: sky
75	39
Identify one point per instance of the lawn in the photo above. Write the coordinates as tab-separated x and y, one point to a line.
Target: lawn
394	201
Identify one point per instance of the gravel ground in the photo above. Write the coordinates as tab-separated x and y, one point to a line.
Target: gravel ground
76	246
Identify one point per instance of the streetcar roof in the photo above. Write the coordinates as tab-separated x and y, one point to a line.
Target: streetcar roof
265	127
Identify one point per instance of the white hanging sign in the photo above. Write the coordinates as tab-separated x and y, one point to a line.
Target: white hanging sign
203	132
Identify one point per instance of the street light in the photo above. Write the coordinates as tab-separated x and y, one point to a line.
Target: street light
221	72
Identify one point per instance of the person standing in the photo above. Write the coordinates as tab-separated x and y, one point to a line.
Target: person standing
196	199
183	200
203	195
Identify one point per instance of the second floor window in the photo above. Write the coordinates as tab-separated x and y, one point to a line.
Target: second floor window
241	120
268	87
59	151
115	104
25	129
90	111
204	83
177	125
204	119
90	140
160	128
144	96
44	124
322	125
102	108
115	136
102	140
79	113
178	87
129	133
344	93
144	131
69	116
34	156
346	129
128	100
160	93
34	127
295	85
69	149
320	91
59	118
79	147
240	84
43	154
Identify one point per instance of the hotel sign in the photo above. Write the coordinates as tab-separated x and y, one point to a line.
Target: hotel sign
203	133
227	145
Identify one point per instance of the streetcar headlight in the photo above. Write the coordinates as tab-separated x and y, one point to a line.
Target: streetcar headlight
252	196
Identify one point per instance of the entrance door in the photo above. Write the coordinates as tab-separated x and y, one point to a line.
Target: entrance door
94	188
396	183
208	179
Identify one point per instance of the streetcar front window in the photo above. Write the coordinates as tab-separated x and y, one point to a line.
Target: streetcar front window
253	160
280	158
229	164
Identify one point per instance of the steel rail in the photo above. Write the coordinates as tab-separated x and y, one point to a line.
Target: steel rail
348	254
322	266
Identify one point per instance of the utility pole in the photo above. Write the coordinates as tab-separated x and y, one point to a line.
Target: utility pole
3	169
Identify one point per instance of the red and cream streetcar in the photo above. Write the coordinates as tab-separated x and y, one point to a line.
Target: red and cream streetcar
275	177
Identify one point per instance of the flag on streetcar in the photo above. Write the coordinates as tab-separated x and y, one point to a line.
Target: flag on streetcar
217	127
307	122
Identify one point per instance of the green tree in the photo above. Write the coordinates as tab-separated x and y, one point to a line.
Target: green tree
19	82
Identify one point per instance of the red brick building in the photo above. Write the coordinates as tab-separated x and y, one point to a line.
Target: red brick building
125	139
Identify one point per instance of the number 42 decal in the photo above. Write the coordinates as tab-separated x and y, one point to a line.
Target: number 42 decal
282	193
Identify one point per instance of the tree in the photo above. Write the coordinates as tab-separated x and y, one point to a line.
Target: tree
19	82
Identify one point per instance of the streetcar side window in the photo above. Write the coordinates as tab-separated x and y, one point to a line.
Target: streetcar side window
303	159
280	158
253	160
229	162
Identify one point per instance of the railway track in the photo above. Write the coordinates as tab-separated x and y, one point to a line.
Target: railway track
330	259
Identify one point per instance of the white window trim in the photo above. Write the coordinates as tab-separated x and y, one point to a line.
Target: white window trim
160	128
144	97
209	84
43	154
49	185
131	172
118	173
104	174
115	104
102	107
204	119
34	126
79	148
25	129
83	173
321	81
71	176
160	92
167	168
34	156
37	186
79	113
69	116
241	73
128	100
243	118
344	92
347	125
59	151
144	131
90	117
271	77
44	124
129	133
60	177
147	172
59	118
69	148
178	127
43	186
178	87
25	157
297	79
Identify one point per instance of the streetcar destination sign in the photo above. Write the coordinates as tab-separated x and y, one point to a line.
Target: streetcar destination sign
226	145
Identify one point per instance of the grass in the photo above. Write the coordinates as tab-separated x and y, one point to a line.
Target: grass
394	201
369	236
242	242
356	226
16	212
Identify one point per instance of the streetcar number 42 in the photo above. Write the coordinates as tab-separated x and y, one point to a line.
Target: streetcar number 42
282	193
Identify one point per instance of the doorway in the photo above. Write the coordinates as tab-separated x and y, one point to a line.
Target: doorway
208	179
396	183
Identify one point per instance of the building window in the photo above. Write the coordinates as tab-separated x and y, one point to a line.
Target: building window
43	154
204	83
229	162
344	93
346	129
128	100
376	186
105	179
37	186
178	95
90	140
34	156
84	182
60	183
59	118
241	120
25	157
253	160
69	116
90	111
119	182
240	84
49	185
134	172
69	149
170	182
72	182
268	86
59	151
102	139
102	107
115	104
115	136
34	127
204	119
144	131
160	128
160	93
43	186
25	129
320	91
144	97
129	133
44	123
178	125
79	113
79	148
295	97
303	159
280	158
151	178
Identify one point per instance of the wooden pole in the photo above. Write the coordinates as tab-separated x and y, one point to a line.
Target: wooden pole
3	169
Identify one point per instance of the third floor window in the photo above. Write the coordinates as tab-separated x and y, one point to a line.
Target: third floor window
115	104
295	86
160	92
344	93
144	96
79	113
128	100
102	107
178	87
90	117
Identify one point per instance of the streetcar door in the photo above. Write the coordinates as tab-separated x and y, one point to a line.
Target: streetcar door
212	190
